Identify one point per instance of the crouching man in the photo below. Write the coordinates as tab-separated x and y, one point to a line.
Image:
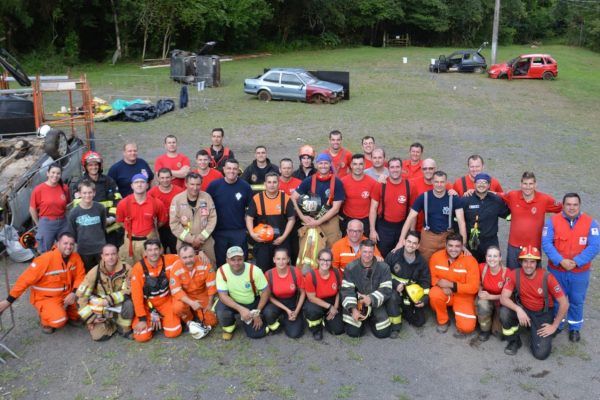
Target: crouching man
367	285
243	290
193	288
104	297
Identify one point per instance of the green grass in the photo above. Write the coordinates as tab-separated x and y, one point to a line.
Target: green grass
400	379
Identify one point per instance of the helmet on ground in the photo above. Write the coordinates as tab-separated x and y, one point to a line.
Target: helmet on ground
27	240
415	292
306	150
530	253
265	232
90	156
198	330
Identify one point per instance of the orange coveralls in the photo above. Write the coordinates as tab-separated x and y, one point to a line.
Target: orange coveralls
51	279
464	271
343	253
162	303
197	284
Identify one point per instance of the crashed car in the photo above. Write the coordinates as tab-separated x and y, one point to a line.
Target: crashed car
461	61
293	84
526	66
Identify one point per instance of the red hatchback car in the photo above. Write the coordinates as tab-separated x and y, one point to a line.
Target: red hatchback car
526	66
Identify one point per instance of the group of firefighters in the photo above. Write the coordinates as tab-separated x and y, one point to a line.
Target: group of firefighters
342	242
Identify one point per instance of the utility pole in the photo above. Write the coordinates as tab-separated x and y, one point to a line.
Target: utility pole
495	31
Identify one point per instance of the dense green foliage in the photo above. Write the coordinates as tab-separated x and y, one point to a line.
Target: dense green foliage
70	31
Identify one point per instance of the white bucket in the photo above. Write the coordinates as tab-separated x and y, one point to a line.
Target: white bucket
404	60
432	61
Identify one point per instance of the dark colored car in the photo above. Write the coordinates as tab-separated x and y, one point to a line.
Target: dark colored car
526	66
461	61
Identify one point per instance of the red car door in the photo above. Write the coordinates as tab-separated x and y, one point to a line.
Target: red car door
537	68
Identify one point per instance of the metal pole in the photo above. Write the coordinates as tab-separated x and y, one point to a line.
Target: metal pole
5	332
495	31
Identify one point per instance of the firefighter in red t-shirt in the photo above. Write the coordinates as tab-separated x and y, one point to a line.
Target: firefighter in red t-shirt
411	168
164	192
323	294
465	186
286	297
340	156
528	300
359	189
178	163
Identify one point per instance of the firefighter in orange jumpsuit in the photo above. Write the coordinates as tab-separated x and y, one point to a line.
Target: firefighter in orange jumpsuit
150	294
193	287
53	278
454	283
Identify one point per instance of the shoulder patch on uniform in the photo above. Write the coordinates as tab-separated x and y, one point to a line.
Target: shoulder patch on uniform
33	265
545	231
595	231
172	281
179	272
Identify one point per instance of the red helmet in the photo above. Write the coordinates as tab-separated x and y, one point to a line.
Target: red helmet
530	253
27	240
265	232
91	156
306	150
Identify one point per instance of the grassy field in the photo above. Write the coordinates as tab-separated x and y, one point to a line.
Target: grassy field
548	127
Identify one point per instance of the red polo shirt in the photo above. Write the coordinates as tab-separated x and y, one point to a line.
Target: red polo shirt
141	217
174	164
289	187
358	196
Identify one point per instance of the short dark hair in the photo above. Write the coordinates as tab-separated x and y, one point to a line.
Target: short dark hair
367	138
571	195
193	175
164	170
528	175
335	132
475	157
325	251
440	173
170	137
152	242
260	146
454	236
281	249
367	243
395	159
218	130
357	156
286	159
414	233
418	145
65	234
185	246
86	183
202	152
270	174
232	161
109	245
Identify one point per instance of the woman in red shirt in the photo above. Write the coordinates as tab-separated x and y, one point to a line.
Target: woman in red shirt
493	274
48	207
323	292
287	296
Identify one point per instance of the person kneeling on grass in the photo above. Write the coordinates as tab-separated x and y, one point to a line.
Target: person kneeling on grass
243	290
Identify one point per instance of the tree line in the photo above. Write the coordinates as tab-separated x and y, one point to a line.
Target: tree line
71	31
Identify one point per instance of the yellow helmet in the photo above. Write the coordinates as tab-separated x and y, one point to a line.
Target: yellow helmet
415	292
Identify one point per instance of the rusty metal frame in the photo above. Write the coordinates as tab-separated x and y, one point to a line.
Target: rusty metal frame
4	331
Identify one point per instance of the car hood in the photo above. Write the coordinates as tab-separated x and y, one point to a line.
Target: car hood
327	85
501	66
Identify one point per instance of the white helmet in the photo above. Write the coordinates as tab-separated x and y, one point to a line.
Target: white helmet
198	330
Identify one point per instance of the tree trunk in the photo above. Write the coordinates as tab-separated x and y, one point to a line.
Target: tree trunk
166	40
145	42
117	53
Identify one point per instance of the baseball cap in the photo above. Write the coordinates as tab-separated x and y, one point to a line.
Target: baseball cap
235	251
323	157
483	176
138	177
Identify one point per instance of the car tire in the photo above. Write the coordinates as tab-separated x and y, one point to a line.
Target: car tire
502	76
548	76
56	144
263	95
478	70
319	99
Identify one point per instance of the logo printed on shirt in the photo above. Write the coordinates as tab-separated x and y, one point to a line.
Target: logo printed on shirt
500	284
334	286
365	194
238	196
540	291
144	172
293	287
545	231
533	210
401	199
446	210
595	231
179	164
327	193
247	285
583	240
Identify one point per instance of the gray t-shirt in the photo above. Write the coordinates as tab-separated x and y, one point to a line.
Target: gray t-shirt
88	226
373	174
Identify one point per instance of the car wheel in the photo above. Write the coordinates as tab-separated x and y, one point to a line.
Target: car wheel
319	99
548	76
502	76
478	70
55	144
263	95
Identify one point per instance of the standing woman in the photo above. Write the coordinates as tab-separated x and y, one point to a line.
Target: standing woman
493	274
48	207
323	292
287	296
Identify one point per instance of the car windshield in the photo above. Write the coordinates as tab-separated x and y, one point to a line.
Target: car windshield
307	77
